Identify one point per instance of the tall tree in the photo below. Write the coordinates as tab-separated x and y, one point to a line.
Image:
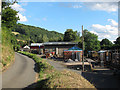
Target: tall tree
9	19
117	44
117	41
106	44
70	35
91	41
9	16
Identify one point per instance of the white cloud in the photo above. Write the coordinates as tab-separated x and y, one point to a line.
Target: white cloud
17	7
22	18
113	23
106	31
94	32
109	6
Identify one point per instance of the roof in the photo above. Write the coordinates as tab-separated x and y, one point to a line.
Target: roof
101	51
26	47
59	43
75	48
36	44
52	43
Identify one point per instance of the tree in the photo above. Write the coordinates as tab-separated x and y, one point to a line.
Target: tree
70	35
39	38
60	39
9	16
9	19
91	41
117	41
117	44
45	38
106	44
35	33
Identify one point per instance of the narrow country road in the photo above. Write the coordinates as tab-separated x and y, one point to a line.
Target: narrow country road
20	74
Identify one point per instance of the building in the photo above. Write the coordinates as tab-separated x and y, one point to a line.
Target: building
74	53
25	48
57	47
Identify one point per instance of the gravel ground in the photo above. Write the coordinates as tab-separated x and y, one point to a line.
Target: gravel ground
58	66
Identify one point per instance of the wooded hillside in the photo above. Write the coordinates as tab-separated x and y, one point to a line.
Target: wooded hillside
36	34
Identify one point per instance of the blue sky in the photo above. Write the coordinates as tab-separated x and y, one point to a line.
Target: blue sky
98	18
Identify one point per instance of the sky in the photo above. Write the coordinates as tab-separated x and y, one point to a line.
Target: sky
100	18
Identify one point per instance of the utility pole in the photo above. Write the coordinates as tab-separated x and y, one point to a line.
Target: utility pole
82	49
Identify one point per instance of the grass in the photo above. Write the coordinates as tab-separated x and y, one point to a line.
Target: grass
7	50
51	78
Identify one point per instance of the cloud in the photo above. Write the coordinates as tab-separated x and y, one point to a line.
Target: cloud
106	31
113	23
17	7
94	32
22	18
104	6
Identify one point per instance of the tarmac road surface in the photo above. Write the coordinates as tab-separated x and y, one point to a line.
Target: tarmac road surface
20	74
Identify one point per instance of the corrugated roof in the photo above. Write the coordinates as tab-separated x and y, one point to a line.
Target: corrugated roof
52	43
75	48
36	44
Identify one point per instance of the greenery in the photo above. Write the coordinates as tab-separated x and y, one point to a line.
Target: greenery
7	48
91	42
106	44
35	34
9	18
117	41
50	78
117	44
9	42
71	35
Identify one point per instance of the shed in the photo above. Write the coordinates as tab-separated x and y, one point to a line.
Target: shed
26	48
74	53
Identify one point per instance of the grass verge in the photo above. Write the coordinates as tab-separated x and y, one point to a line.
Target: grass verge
51	78
7	53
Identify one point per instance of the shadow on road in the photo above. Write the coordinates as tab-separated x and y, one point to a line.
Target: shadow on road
102	79
36	68
39	84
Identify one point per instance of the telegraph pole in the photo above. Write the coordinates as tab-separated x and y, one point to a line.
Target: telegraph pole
82	49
